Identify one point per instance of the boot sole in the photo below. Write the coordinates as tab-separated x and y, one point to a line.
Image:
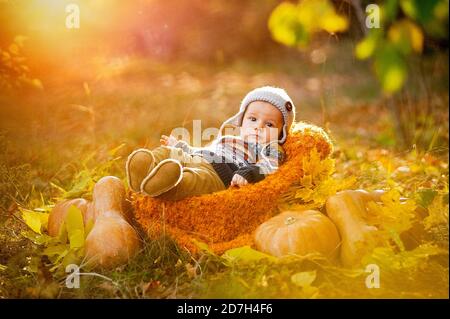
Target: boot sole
128	163
155	171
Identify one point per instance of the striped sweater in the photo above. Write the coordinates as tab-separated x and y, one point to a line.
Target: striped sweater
231	155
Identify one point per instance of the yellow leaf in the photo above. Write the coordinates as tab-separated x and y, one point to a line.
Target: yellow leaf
334	23
304	278
36	221
294	25
438	213
388	258
89	225
406	35
393	79
441	10
75	227
416	38
282	23
365	48
307	181
246	254
304	194
311	291
392	215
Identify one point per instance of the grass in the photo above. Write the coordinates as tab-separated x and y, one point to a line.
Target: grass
50	137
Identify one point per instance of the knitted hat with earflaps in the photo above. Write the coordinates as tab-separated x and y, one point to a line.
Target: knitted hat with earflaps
273	95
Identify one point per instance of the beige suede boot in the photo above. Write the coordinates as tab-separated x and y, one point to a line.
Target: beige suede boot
138	165
165	176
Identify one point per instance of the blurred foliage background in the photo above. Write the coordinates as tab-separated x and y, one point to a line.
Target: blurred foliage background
75	102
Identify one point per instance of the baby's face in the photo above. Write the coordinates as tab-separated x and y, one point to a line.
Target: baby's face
262	123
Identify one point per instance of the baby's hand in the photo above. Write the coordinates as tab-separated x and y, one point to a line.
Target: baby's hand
238	181
168	140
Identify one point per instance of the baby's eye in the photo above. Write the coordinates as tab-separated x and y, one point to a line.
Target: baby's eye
252	118
269	124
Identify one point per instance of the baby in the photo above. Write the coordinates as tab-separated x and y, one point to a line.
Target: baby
176	170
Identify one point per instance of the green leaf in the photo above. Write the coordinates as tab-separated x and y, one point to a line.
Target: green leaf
57	259
246	254
431	14
425	197
72	257
203	246
390	68
75	227
38	239
33	265
55	250
390	10
83	185
420	10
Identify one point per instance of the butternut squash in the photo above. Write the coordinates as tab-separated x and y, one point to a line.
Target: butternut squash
112	240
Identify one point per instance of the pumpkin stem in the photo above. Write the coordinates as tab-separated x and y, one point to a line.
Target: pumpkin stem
290	220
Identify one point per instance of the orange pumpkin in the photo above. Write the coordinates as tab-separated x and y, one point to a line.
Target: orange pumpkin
300	233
